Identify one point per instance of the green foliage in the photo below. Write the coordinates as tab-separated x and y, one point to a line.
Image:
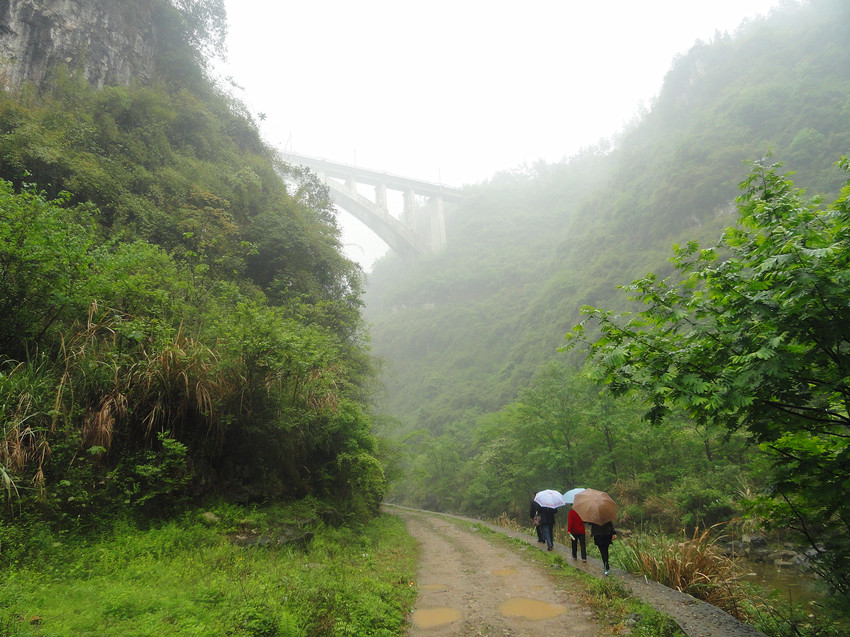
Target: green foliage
162	271
781	618
613	602
755	341
46	251
184	170
188	578
152	475
205	24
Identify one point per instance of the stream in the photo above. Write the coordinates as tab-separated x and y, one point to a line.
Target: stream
789	583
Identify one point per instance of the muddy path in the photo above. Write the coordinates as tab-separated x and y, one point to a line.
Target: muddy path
468	586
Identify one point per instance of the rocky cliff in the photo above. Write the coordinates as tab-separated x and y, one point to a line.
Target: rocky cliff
109	41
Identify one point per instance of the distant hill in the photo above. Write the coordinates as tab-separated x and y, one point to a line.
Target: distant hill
463	331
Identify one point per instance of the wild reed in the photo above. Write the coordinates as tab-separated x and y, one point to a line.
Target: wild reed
24	419
507	522
171	382
694	566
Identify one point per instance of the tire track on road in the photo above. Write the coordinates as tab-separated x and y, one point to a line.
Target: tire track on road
483	590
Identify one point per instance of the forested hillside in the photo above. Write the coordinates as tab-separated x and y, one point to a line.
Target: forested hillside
465	330
485	407
178	319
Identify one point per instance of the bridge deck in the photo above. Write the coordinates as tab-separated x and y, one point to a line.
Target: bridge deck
337	170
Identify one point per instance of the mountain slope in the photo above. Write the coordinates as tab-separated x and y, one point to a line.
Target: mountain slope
462	331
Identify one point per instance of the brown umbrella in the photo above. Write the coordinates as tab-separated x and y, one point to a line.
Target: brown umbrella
595	506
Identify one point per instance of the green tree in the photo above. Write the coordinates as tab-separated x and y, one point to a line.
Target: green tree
754	336
205	22
46	251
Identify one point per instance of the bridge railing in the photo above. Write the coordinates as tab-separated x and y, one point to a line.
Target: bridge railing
369	177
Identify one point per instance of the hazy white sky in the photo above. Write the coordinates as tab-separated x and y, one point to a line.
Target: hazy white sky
453	91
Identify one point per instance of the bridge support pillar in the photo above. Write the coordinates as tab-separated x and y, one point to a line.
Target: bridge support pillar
381	198
438	225
409	213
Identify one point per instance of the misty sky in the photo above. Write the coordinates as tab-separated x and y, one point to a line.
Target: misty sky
455	91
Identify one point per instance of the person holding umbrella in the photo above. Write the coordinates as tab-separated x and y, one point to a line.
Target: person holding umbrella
603	535
549	501
547	525
599	510
575	527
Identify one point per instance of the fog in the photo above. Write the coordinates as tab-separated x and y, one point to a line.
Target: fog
453	92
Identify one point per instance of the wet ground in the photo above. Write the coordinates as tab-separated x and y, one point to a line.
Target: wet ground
467	586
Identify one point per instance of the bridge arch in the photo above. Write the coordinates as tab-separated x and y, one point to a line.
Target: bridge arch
421	229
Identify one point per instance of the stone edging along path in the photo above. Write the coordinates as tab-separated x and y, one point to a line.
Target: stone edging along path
695	617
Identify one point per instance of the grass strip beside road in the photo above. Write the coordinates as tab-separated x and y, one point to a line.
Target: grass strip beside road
186	577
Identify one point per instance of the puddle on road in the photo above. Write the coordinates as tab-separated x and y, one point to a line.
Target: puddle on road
532	609
432	617
434	587
505	571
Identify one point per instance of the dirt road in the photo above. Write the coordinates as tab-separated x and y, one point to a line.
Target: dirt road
468	586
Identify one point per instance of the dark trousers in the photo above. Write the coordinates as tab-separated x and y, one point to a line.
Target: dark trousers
540	537
603	551
548	534
579	539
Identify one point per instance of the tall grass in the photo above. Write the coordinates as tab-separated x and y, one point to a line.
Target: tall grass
173	379
694	565
26	389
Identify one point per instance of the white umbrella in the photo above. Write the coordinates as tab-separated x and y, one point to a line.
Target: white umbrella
570	495
550	498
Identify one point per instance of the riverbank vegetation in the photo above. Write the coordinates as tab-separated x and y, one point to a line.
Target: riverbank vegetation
224	570
693	565
698	565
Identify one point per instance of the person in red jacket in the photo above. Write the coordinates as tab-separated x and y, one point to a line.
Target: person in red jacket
575	527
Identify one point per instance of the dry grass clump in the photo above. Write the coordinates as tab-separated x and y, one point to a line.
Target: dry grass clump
176	383
694	566
103	388
23	423
507	522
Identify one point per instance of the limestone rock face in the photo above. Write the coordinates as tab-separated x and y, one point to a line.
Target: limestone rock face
110	41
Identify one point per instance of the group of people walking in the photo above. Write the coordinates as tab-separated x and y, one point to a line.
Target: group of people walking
602	534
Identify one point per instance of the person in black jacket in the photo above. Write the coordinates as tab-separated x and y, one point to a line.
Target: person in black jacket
547	524
603	535
533	510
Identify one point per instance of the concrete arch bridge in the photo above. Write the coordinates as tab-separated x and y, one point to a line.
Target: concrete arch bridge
421	229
